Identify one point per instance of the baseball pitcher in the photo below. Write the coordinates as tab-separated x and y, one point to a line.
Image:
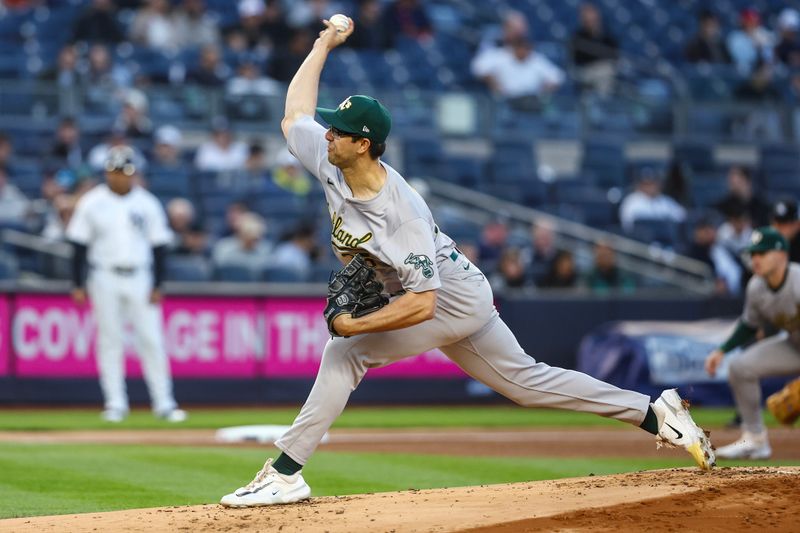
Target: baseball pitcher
772	298
406	289
122	230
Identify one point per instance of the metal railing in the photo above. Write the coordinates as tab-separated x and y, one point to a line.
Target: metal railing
651	262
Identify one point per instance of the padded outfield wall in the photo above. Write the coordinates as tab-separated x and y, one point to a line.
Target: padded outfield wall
263	344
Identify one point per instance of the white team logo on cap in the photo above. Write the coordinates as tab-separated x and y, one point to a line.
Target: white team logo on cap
757	236
345	104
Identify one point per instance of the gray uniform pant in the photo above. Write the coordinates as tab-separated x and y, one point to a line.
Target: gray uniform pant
774	356
468	330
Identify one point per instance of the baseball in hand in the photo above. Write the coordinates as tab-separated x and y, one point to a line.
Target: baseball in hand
340	22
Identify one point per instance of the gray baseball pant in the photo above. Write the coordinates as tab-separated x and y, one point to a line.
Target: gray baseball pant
774	356
469	331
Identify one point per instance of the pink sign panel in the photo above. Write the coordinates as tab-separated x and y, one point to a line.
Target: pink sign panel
5	331
208	337
297	334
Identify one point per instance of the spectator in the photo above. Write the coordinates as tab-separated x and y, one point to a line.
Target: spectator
740	189
727	273
605	275
286	61
57	220
288	174
14	205
594	52
676	184
251	81
221	152
494	238
298	252
539	257
248	34
787	50
189	237
734	233
233	215
65	73
371	34
98	24
167	147
66	150
274	26
510	271
562	272
648	202
133	118
6	150
758	87
103	76
210	70
764	122
154	27
247	248
707	46
784	218
193	26
406	18
516	70
751	44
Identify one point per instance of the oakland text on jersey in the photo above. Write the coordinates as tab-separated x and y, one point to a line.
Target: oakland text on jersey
338	234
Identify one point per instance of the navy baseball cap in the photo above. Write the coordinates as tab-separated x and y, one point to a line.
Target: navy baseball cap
360	115
767	239
785	210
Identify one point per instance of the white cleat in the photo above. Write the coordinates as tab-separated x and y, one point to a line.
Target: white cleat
115	416
175	416
269	487
678	428
749	446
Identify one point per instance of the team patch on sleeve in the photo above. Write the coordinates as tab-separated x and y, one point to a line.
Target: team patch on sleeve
420	262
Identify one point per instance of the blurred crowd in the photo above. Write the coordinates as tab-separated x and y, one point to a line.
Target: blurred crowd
255	54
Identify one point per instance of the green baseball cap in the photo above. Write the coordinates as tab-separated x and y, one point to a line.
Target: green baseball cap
360	115
767	239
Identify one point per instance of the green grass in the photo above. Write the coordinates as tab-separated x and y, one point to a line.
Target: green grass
355	417
44	479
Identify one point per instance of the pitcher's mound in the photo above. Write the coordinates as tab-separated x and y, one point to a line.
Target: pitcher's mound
725	499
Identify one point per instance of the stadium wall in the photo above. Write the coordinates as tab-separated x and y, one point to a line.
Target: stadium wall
265	347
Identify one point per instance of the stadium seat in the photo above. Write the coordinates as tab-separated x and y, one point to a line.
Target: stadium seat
9	266
234	273
699	156
281	275
187	268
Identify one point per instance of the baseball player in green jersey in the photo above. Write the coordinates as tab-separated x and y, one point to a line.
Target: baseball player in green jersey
772	298
438	298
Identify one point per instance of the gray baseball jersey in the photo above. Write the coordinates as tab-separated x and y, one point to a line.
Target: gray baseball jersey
774	356
395	229
410	253
779	308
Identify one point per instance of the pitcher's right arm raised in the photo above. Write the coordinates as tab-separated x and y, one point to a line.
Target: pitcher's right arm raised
301	98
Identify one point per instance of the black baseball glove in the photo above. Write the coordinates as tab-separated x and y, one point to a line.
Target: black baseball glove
355	291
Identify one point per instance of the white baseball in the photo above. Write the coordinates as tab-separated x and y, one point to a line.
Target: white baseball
340	22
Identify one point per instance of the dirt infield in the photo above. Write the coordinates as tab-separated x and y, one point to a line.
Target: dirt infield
726	499
594	442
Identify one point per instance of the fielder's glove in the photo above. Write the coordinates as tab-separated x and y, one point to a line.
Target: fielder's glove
355	291
785	404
